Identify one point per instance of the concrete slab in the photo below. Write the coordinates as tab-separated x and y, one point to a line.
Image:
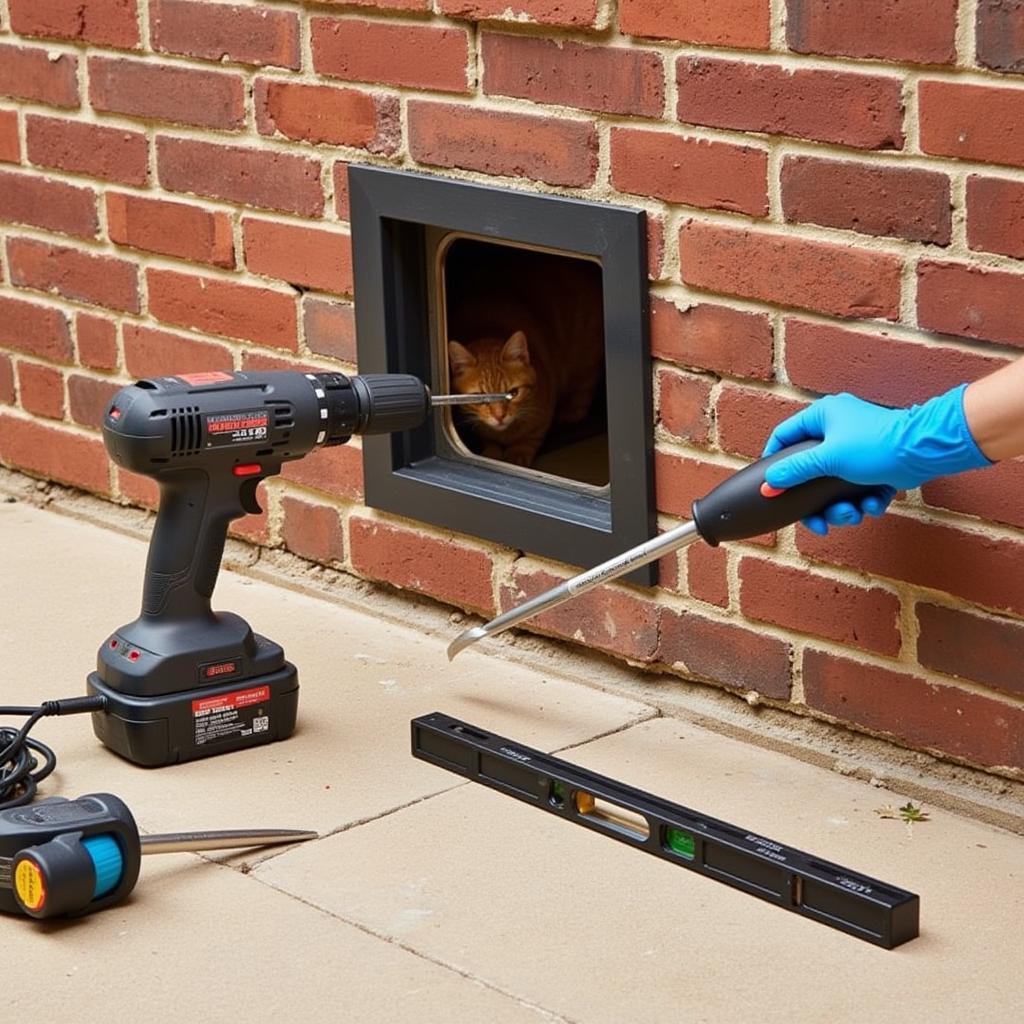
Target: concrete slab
68	585
200	943
436	900
593	930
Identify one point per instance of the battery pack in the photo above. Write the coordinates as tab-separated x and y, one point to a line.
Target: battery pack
175	727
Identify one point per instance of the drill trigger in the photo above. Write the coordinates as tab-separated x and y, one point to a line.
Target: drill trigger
247	495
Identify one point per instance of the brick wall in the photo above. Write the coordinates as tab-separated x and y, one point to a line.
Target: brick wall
835	191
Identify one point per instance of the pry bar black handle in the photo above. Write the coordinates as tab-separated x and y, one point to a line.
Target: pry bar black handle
744	505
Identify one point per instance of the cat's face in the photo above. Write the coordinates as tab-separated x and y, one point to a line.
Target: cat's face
492	366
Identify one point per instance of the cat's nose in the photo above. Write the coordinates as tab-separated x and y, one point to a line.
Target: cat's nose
499	412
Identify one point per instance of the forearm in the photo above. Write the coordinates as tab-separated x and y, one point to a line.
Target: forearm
994	407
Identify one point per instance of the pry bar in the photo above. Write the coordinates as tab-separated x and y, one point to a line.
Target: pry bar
857	904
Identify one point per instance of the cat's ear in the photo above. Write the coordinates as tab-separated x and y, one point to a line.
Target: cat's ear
460	358
516	350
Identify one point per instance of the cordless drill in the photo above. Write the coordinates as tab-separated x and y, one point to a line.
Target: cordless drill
182	681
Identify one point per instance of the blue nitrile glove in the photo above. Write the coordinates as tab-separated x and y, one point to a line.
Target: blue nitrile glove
870	444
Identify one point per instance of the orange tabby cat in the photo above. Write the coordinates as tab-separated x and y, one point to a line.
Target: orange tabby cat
533	328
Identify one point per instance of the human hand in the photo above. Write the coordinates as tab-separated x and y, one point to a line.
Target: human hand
896	449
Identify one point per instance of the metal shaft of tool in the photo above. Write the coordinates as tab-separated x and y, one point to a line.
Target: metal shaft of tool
436	400
603	573
231	839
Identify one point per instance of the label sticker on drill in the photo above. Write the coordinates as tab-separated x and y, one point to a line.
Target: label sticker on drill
231	715
198	380
237	428
28	884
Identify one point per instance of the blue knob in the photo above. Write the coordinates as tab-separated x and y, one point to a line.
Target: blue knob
107	862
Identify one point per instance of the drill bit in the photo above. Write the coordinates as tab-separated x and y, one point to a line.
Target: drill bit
436	400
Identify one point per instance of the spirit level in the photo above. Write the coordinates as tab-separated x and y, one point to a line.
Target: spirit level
857	904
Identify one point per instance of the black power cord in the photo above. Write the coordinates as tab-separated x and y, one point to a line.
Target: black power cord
20	768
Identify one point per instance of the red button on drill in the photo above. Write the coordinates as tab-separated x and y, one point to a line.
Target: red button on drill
767	491
248	469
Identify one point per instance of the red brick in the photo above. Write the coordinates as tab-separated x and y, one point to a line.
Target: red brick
444	569
950	125
745	24
140	490
37	330
865	111
746	417
914	711
567	13
6	380
173	229
312	531
877	367
325	114
1000	34
912	31
336	471
103	22
684	405
655	247
399	53
957	298
330	329
246	35
75	274
101	152
341	190
679	481
223	307
607	618
89	399
275	181
53	205
712	338
992	493
869	198
41	389
725	653
152	353
605	78
161	92
695	172
790	271
805	602
257	362
97	341
388	5
27	73
549	149
54	453
995	215
309	257
707	574
972	566
985	650
10	144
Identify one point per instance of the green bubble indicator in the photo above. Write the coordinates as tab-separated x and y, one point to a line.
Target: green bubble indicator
681	842
558	794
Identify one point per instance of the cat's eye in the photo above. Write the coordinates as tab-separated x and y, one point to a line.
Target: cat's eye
513	392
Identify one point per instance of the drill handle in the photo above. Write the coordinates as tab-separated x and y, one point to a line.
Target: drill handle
185	551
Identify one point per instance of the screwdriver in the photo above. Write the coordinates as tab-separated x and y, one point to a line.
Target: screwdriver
743	506
67	858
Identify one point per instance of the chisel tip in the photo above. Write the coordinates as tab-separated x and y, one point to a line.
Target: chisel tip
464	640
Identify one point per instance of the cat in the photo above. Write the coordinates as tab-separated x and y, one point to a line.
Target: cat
531	326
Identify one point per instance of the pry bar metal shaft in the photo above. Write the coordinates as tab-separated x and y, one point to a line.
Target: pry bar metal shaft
741	507
857	904
437	400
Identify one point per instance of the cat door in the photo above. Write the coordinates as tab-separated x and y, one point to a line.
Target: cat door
544	293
